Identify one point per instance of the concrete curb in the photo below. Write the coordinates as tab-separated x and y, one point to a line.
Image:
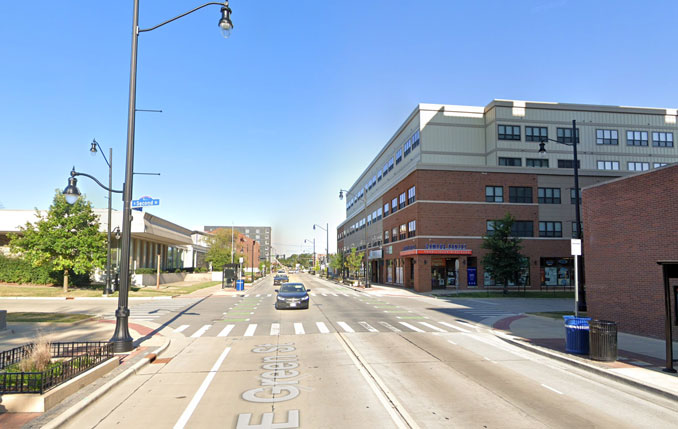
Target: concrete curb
84	403
84	298
585	366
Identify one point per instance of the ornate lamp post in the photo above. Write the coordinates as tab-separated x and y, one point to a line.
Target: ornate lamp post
93	151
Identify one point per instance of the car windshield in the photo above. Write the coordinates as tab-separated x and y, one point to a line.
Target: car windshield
292	288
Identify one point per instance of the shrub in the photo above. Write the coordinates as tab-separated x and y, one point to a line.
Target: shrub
145	271
18	270
39	358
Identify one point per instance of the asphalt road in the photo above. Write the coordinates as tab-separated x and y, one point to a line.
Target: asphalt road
358	360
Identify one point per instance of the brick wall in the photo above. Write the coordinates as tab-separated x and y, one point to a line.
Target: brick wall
629	225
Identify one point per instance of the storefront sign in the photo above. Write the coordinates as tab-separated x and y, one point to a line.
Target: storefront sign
472	276
437	249
435	246
375	254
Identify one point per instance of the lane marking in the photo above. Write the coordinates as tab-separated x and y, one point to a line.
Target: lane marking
333	294
258	295
323	294
250	330
449	325
552	389
345	327
201	331
181	328
322	328
435	328
367	326
412	327
270	294
201	391
275	328
389	326
227	330
299	329
451	342
231	319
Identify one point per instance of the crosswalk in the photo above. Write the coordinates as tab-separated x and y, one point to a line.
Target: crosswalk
151	310
314	292
306	328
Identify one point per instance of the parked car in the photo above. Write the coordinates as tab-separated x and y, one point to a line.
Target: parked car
280	279
292	295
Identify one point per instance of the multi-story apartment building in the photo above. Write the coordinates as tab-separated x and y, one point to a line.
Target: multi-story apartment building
260	234
423	205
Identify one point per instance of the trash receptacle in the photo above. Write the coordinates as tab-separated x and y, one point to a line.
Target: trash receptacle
240	285
577	334
603	340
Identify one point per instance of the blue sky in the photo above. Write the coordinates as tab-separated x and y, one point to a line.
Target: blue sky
264	128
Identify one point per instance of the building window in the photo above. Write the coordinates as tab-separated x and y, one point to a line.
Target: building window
394	205
574	230
415	139
549	195
403	231
390	164
638	166
412	228
636	138
550	229
568	163
402	201
494	194
394	234
385	170
520	194
658	164
379	176
511	162
608	165
490	227
385	209
399	156
408	147
610	137
662	139
573	196
564	135
522	228
536	134
537	162
410	195
379	214
369	219
386	234
508	132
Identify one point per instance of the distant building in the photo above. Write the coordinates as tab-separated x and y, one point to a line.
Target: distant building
261	234
421	207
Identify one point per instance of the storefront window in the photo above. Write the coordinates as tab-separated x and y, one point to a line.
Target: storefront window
557	271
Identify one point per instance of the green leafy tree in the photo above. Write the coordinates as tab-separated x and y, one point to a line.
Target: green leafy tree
67	238
337	262
503	261
354	261
219	253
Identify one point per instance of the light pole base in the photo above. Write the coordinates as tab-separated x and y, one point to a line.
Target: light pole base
122	340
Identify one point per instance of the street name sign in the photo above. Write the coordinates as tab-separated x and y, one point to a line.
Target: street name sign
145	202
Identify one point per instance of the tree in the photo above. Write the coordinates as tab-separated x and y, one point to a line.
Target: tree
337	262
503	262
219	253
354	261
67	238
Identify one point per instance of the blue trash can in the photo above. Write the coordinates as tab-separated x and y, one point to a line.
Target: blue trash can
240	285
577	334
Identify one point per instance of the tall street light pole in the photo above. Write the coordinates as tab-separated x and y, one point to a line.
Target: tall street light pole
309	241
327	243
579	289
93	151
122	340
367	266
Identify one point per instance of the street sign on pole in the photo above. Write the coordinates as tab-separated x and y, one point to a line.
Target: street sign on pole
145	201
575	245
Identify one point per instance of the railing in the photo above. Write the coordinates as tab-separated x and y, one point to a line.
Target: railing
80	356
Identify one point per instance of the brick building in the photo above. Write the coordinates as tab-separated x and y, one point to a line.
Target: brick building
424	203
629	225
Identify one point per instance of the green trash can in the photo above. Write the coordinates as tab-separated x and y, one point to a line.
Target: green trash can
603	340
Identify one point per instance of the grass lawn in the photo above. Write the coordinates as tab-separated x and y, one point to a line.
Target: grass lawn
96	291
508	295
46	317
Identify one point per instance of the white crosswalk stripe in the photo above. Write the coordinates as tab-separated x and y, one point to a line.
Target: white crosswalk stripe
299	329
345	327
322	328
435	328
458	328
389	326
227	330
275	328
412	327
250	330
367	326
181	328
201	331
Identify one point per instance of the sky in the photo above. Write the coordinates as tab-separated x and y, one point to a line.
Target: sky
265	128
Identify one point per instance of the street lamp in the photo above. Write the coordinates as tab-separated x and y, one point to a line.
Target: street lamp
367	266
122	340
327	244
309	241
578	258
72	193
93	151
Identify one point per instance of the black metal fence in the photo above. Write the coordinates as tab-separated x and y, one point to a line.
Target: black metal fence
77	357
